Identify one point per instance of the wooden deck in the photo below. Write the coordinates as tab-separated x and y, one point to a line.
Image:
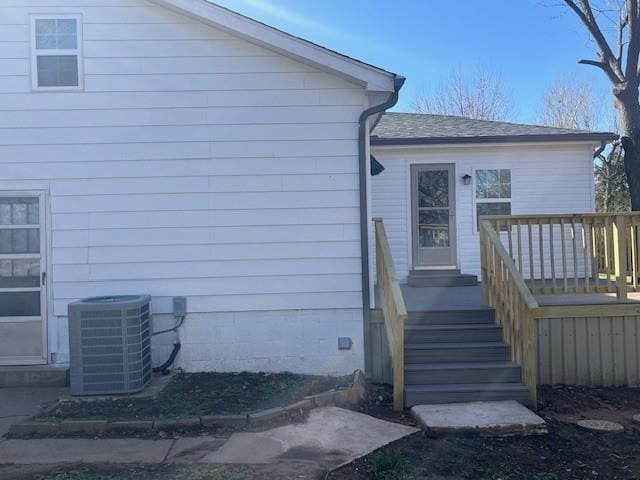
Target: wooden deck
580	326
470	298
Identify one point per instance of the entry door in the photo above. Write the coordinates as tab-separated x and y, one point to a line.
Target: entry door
433	205
22	291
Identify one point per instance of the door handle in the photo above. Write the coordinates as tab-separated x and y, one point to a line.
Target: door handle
44	278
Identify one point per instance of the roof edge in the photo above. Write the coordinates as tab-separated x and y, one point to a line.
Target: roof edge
371	77
557	137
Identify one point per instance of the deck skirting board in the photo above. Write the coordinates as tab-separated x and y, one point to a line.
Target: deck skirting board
595	351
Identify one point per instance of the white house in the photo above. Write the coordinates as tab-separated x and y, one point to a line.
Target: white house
442	172
176	148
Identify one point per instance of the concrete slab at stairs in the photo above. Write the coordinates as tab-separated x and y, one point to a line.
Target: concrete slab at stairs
501	418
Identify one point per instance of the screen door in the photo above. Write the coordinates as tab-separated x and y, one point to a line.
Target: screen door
22	280
433	205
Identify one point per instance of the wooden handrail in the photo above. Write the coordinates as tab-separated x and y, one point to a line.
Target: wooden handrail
516	308
510	266
574	252
393	309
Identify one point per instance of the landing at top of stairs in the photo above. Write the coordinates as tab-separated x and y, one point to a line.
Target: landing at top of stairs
441	278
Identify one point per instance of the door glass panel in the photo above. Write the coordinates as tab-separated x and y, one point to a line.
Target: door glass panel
20	240
22	339
433	188
19	211
19	273
19	304
433	208
433	228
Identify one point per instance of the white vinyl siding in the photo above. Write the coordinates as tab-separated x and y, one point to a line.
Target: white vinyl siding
545	178
193	163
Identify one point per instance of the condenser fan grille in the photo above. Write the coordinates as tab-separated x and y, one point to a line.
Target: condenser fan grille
110	345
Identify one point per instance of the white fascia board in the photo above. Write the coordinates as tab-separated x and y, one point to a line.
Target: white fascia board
372	78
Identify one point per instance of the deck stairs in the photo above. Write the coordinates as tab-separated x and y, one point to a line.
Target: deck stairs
458	356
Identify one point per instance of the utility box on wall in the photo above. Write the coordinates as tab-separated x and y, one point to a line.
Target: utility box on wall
110	345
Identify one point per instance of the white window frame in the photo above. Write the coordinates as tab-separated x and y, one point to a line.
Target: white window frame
35	53
477	200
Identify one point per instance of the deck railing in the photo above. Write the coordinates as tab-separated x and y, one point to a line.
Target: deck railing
573	253
516	308
393	309
524	255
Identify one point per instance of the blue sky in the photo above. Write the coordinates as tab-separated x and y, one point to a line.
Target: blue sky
528	42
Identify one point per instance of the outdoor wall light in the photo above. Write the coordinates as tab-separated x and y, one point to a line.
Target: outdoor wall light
466	179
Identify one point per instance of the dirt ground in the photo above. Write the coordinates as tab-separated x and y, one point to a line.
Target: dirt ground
284	471
566	453
197	394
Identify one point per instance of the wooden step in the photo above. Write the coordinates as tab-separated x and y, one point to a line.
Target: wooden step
451	317
430	273
460	373
472	332
468	392
440	352
442	280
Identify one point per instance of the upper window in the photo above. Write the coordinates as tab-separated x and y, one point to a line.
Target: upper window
493	193
56	59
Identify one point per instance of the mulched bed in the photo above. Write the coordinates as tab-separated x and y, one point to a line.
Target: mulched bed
191	395
566	453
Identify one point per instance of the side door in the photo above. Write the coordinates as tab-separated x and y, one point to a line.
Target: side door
23	322
433	216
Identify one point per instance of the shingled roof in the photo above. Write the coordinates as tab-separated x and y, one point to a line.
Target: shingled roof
417	128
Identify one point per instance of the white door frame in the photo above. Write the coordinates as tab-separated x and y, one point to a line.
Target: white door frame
44	307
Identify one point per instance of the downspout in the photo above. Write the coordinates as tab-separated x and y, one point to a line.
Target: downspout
364	172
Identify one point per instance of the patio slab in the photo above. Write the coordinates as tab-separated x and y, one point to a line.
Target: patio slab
500	418
330	437
19	403
80	450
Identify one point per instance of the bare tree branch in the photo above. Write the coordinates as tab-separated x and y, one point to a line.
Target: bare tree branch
481	95
571	103
624	21
594	63
624	73
608	61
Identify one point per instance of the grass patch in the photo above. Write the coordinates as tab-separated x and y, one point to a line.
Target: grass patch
210	472
190	395
76	475
388	465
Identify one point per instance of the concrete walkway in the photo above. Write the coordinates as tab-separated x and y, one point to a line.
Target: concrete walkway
20	403
328	438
